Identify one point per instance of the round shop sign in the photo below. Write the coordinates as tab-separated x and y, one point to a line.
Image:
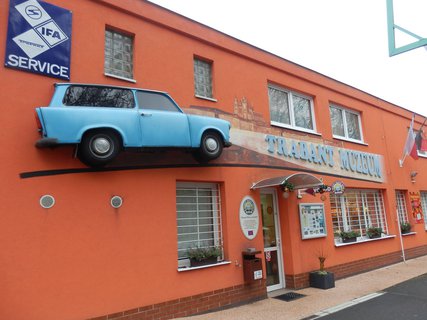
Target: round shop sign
249	218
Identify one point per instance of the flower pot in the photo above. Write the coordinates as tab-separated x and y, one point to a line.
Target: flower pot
348	240
204	262
374	236
322	280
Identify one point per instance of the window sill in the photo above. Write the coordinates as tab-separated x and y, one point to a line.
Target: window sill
280	125
204	267
408	234
206	98
118	77
363	240
350	140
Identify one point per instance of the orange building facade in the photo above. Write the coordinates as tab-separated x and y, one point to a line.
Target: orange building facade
311	158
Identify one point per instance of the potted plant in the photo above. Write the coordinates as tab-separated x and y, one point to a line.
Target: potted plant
321	278
405	227
374	232
201	256
349	236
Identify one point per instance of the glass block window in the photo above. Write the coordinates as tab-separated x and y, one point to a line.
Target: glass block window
358	210
118	54
203	78
291	110
401	206
345	123
198	210
424	206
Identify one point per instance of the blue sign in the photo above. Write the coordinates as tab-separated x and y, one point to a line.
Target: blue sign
39	38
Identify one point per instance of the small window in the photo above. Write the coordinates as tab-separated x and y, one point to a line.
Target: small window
92	96
345	124
203	78
118	54
291	110
401	206
198	209
155	101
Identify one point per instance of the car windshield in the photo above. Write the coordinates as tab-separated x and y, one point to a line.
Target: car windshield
92	96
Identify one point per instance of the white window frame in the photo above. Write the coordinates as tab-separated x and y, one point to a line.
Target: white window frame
210	64
216	215
292	125
401	206
114	72
343	112
364	220
423	195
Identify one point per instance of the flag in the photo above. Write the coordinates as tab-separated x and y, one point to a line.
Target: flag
410	146
421	141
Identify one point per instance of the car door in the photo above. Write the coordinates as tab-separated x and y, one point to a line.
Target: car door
163	124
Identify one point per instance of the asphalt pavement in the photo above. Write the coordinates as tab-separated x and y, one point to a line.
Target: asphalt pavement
384	291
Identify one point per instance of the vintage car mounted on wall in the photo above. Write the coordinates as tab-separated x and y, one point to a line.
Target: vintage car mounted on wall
102	120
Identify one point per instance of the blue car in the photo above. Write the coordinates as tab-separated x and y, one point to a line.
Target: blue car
103	120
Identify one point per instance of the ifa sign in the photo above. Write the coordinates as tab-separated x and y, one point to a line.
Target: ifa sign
39	38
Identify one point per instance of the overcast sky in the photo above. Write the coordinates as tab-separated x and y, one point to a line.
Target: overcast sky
344	40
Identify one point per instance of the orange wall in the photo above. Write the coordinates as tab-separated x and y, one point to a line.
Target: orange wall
82	258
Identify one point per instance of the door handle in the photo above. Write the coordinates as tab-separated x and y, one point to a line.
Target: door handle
146	114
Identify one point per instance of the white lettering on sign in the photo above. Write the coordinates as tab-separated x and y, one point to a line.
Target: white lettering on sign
36	65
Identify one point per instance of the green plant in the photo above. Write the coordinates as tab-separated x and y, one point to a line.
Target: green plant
405	227
349	234
287	186
203	253
374	232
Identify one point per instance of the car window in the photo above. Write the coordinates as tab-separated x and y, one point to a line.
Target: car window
155	101
93	96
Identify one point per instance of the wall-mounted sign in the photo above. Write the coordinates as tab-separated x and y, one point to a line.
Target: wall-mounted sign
39	38
249	218
338	187
312	218
417	210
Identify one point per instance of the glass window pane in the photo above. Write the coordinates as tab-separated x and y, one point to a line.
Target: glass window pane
302	112
279	106
155	101
119	54
337	121
203	78
353	126
92	96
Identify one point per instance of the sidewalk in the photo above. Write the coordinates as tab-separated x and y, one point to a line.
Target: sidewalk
317	300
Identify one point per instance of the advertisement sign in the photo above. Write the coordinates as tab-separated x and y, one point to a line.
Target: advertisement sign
417	210
249	218
312	217
39	38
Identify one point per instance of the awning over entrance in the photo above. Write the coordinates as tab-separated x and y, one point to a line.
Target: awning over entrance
298	180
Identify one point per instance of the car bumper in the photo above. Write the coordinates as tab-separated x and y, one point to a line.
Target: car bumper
47	142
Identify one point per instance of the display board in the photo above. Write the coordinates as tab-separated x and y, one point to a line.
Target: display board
312	218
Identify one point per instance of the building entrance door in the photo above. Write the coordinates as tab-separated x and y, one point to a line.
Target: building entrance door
272	240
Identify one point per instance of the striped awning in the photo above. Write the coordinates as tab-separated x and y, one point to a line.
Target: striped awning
298	180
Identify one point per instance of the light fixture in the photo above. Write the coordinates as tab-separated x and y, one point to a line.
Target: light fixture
285	194
413	175
47	201
116	202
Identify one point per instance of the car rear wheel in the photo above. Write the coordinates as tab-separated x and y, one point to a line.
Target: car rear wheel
210	146
98	148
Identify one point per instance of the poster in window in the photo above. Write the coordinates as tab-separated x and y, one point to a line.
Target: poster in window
417	211
312	218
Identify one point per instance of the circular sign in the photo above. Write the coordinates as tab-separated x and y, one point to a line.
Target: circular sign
249	218
338	187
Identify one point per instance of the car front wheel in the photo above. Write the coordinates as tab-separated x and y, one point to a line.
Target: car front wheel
98	148
210	146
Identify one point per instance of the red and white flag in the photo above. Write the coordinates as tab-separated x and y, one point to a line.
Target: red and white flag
421	141
410	145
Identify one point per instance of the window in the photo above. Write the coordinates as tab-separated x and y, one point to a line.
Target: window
401	206
155	101
291	110
198	209
203	78
424	206
345	124
118	54
92	96
358	210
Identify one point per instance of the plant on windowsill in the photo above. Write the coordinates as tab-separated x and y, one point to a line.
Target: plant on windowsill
201	256
349	236
374	232
405	227
321	278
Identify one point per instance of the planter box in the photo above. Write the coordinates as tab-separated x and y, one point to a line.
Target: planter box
322	281
348	240
196	263
375	236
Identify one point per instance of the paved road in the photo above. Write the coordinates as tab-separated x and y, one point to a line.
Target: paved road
405	301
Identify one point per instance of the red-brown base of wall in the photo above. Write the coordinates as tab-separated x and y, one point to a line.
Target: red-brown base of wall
201	303
352	268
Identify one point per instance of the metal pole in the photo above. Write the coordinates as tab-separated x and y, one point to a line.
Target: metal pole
400	236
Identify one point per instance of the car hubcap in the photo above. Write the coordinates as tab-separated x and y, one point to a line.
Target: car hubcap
101	146
211	144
